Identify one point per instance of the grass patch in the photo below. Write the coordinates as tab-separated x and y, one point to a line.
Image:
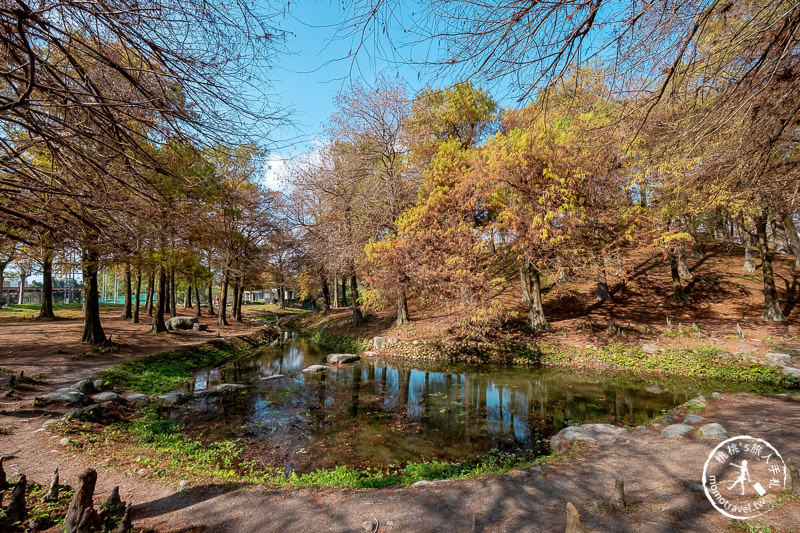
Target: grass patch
169	370
330	342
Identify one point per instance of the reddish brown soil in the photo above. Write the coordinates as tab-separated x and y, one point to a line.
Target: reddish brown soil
722	296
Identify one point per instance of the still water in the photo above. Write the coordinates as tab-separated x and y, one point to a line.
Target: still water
380	412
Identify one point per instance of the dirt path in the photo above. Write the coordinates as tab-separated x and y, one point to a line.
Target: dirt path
658	472
658	475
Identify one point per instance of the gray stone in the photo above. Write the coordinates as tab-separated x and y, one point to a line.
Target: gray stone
183	485
68	396
676	431
641	427
65	441
181	322
315	369
697	487
50	422
717	396
692	419
342	358
535	469
780	359
270	378
78	412
670	417
98	384
170	398
701	401
378	343
650	348
136	398
713	431
86	386
200	327
230	387
106	397
792	372
422	483
600	433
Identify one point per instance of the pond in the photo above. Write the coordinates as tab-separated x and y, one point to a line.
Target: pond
378	413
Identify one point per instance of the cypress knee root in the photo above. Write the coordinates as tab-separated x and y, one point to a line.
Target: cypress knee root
89	521
617	500
81	501
16	507
574	524
114	499
52	492
125	525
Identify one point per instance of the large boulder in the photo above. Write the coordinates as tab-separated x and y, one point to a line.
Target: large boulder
107	396
170	398
791	372
181	322
342	358
676	431
713	431
137	398
600	433
86	386
67	396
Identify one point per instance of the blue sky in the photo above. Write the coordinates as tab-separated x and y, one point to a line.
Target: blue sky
316	67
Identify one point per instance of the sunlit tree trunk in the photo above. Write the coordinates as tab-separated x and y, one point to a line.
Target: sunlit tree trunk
151	285
749	263
127	311
683	265
222	319
401	304
161	302
137	295
21	295
335	293
198	307
92	329
677	289
46	311
173	294
781	238
772	313
536	319
525	281
794	240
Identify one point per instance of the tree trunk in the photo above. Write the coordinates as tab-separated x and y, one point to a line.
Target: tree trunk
525	281
173	294
47	285
92	329
602	294
21	296
198	307
2	280
794	240
677	289
749	263
167	292
223	301
151	284
187	299
210	308
326	295
237	301
401	314
335	293
772	313
137	295
281	298
161	302
536	319
127	311
344	293
358	318
781	238
683	266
